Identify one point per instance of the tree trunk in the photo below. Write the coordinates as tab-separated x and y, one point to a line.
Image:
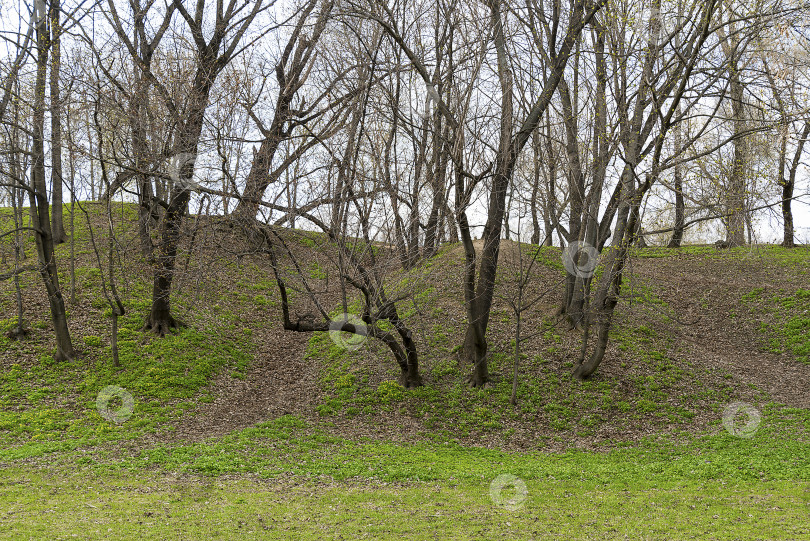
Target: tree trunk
56	126
576	189
19	331
475	342
607	295
788	186
535	238
38	199
258	178
584	223
72	167
160	320
735	202
480	301
680	209
291	73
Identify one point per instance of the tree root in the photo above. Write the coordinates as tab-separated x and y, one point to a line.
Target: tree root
17	333
410	382
162	325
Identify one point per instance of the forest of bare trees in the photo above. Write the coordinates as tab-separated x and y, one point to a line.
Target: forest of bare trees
394	128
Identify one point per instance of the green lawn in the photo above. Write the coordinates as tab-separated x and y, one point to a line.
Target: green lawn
42	504
289	479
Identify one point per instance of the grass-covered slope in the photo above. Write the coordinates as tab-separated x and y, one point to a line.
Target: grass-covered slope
241	428
657	377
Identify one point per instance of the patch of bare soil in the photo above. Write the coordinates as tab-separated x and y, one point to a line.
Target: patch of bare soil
278	382
712	321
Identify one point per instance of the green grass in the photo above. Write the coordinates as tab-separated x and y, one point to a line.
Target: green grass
785	321
291	445
42	504
657	391
49	407
65	471
305	483
784	257
448	408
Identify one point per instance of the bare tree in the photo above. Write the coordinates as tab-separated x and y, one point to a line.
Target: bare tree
38	197
292	72
57	182
210	58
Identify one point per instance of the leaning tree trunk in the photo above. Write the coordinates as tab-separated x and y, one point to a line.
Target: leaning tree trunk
38	199
258	178
607	295
291	73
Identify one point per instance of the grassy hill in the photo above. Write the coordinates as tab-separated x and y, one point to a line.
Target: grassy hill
289	435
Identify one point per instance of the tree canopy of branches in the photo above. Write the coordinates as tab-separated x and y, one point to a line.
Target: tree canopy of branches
394	127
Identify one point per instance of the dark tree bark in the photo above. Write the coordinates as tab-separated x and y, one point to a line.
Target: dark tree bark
584	223
377	307
680	208
38	199
735	200
475	345
59	235
631	197
537	162
211	57
291	73
788	185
